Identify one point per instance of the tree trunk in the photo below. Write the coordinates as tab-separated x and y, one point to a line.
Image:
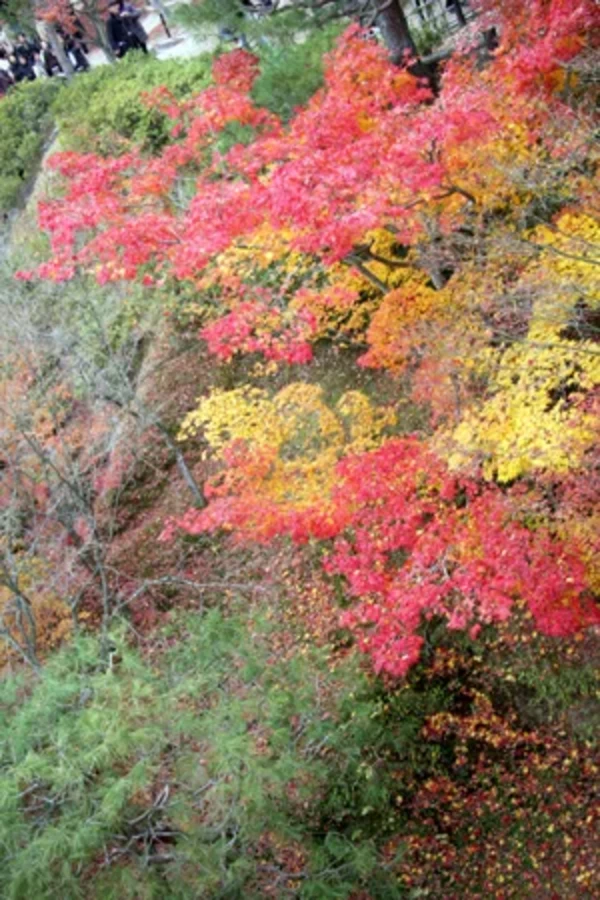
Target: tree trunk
100	38
395	31
182	465
399	41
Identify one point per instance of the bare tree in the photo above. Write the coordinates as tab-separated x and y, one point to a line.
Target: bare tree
17	618
51	506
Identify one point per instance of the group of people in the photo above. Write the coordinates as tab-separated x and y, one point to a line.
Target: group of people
27	58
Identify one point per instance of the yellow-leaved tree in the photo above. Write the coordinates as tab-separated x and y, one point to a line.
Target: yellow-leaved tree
535	415
281	451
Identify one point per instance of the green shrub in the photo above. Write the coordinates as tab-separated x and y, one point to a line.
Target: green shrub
290	73
253	750
25	125
216	17
214	768
103	109
429	36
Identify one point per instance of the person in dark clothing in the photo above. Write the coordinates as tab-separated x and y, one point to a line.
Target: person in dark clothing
49	61
74	50
74	43
78	32
123	29
132	16
116	30
26	48
21	69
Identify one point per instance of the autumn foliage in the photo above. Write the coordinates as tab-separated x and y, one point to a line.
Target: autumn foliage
447	241
300	480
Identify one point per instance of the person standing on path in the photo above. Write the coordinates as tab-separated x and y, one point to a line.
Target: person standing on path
116	31
132	16
123	28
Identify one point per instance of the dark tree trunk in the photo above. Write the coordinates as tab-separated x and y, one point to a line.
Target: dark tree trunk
399	41
395	31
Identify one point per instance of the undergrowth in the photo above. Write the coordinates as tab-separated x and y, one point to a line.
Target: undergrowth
103	109
26	123
213	765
